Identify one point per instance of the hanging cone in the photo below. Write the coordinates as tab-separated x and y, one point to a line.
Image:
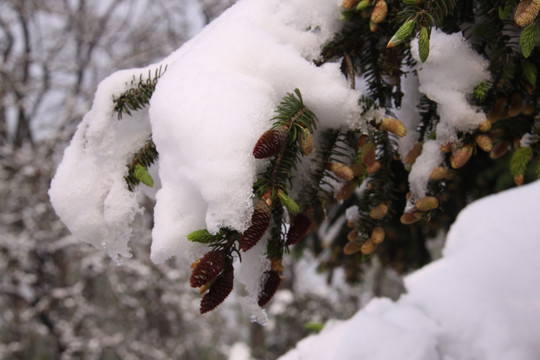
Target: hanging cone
260	220
271	142
299	227
221	288
271	284
207	268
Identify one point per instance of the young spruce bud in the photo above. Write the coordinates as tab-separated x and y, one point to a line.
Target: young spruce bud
368	247
423	43
342	171
349	4
526	12
484	142
439	173
461	156
351	248
377	235
379	211
379	12
368	154
485	126
415	151
410	217
363	5
402	33
305	140
427	203
394	126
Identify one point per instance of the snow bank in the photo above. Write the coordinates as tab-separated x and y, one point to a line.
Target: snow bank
209	108
480	301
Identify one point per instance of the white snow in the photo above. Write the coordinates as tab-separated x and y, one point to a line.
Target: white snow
480	301
216	98
430	158
448	77
88	191
408	112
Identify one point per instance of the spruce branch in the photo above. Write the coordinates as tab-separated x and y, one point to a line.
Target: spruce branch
139	164
139	93
297	119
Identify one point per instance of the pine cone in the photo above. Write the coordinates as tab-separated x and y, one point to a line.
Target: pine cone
221	288
299	227
207	268
271	284
270	142
260	220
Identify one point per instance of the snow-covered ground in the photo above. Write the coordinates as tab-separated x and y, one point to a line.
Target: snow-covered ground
481	300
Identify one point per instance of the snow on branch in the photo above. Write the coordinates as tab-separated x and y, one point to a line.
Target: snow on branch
249	133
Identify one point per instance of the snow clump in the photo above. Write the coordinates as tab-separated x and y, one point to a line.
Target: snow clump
216	97
479	301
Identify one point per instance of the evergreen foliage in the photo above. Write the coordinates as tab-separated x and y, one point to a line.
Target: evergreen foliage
138	95
362	170
138	167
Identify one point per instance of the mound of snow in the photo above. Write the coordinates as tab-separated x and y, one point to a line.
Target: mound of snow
480	301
